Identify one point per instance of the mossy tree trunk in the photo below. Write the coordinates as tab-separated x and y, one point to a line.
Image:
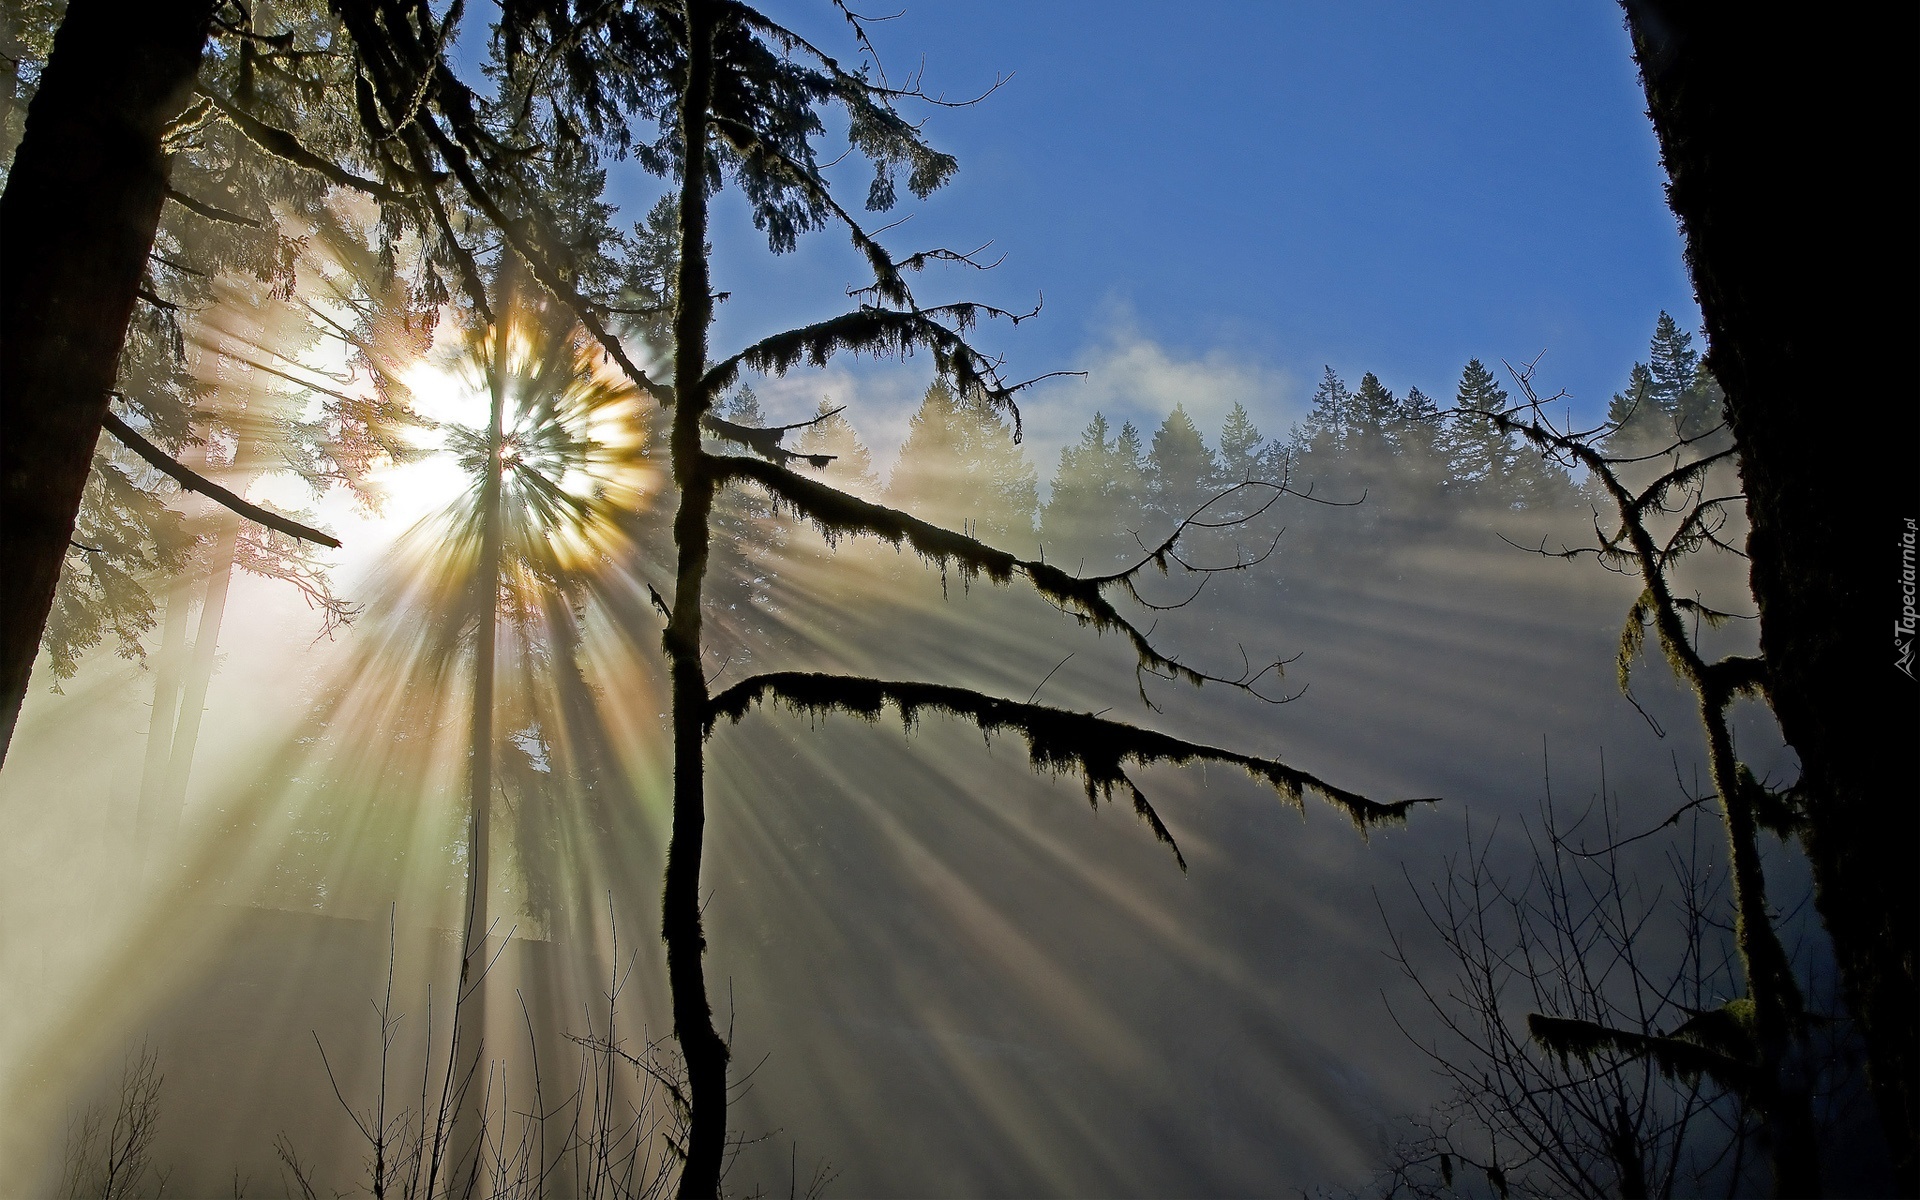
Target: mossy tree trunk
76	225
680	924
1801	242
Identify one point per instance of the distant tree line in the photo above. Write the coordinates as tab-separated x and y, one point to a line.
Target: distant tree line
1398	460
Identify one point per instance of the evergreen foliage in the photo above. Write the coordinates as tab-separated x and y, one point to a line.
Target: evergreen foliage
1241	447
1181	472
1671	395
961	468
1097	500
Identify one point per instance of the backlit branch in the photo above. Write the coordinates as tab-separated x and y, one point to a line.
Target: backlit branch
765	440
192	481
837	514
1058	741
882	331
284	145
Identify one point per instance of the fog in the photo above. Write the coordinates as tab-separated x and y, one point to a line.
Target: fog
941	973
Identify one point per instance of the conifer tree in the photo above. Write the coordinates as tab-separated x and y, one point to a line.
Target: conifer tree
1241	447
1422	464
1635	414
1672	364
1324	433
1483	456
1182	473
831	435
1375	415
1096	504
961	467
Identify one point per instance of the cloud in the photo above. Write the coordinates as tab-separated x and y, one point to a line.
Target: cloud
1130	376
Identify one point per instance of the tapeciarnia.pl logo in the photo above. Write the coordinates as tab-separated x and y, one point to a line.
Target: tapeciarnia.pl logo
1903	629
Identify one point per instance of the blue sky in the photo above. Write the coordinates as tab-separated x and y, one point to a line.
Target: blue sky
1217	199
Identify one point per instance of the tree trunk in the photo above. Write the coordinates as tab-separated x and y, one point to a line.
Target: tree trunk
470	1024
680	926
171	799
1802	252
166	708
76	225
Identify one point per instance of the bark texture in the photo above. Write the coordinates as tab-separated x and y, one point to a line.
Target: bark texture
680	925
76	224
1789	143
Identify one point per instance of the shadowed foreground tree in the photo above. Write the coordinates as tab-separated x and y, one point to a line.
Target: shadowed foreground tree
1747	106
77	222
355	96
738	99
1746	1045
1582	936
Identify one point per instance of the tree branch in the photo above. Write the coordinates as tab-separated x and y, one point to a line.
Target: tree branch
282	144
1058	741
194	482
210	212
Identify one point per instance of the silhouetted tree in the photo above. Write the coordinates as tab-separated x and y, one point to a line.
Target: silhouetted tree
1747	1047
1744	108
736	95
1241	447
1325	431
1483	456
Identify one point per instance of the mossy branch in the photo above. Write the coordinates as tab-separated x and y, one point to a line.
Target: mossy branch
1718	1044
886	331
837	514
192	481
284	145
1058	741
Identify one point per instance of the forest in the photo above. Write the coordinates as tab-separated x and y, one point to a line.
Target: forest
525	677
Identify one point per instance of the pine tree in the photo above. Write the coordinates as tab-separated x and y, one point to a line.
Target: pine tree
1672	364
1421	466
960	465
1483	458
1095	506
1240	447
1325	431
851	469
1182	473
1376	415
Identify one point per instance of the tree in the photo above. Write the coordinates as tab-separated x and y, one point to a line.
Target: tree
1744	110
1656	526
1240	447
1482	456
1097	502
1375	418
1181	471
1326	428
961	467
735	95
77	220
1581	937
509	186
106	125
